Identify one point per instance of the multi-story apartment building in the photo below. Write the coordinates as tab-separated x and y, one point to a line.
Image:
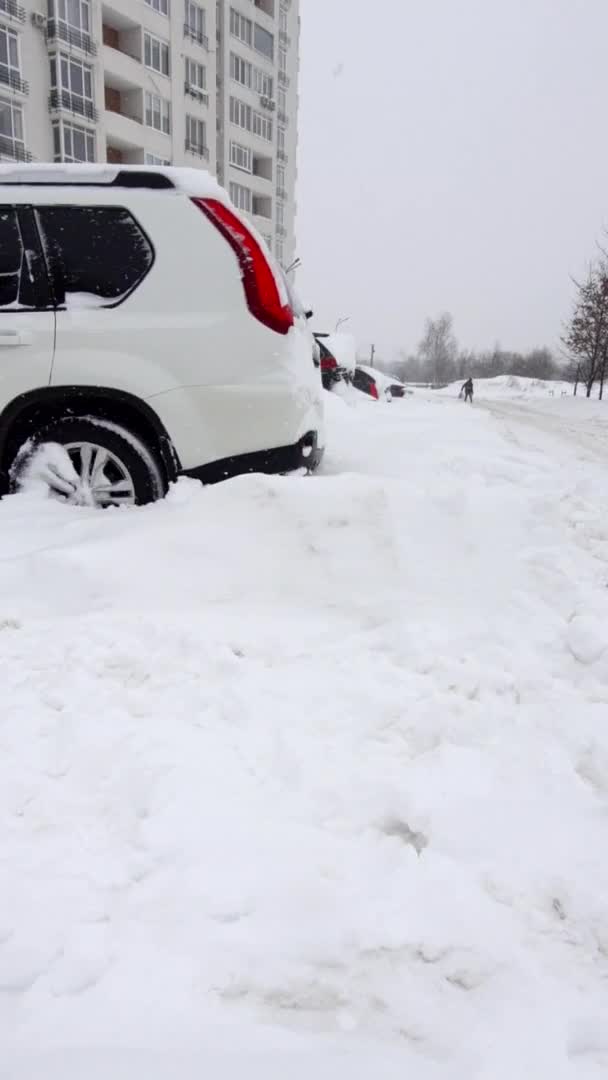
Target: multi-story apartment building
187	82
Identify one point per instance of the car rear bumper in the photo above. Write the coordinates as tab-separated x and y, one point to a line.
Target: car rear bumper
305	454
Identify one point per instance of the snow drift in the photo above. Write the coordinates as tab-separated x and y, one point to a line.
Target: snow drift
311	775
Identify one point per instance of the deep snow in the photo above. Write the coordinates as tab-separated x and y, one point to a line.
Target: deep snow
309	776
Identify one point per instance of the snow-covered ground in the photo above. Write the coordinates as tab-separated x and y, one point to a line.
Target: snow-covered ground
309	776
518	386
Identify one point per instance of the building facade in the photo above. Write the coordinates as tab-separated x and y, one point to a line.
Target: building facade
206	83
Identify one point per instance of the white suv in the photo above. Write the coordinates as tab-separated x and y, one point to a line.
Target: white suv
145	333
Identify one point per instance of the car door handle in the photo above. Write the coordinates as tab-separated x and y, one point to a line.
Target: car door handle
12	338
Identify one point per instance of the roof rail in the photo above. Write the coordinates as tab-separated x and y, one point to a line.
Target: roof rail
84	176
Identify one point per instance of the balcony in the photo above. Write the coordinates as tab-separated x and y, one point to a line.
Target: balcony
9	77
16	151
196	35
16	11
64	101
284	79
124	133
261	206
57	31
194	92
197	149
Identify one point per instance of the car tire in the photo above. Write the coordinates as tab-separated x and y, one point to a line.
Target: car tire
88	461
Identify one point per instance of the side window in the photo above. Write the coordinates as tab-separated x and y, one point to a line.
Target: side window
97	254
23	278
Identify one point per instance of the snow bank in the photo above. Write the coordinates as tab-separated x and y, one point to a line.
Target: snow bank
310	776
515	386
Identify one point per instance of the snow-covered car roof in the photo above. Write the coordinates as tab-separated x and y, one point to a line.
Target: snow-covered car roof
191	181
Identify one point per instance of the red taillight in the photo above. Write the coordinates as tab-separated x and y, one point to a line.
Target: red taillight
328	362
373	389
261	287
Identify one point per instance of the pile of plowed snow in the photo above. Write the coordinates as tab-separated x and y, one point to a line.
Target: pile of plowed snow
309	776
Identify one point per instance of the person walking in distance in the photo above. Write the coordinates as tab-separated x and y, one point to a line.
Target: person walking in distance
467	390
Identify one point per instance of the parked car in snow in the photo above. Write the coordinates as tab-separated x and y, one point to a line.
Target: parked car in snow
145	333
372	382
337	358
397	388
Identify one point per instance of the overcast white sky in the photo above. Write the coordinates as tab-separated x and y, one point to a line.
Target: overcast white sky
453	155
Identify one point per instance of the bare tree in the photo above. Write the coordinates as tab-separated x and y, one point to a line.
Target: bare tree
438	348
586	335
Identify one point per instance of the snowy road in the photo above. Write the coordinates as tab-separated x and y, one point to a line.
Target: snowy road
315	770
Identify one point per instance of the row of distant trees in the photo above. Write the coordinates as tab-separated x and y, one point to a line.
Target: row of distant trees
584	359
439	360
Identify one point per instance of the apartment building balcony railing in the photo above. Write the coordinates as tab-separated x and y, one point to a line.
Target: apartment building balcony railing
8	77
282	194
196	93
64	101
10	148
196	35
12	8
58	30
197	149
284	79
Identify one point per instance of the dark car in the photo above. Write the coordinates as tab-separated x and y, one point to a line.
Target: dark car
331	372
364	381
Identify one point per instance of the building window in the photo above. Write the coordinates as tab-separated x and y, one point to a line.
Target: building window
196	75
74	81
263	83
73	143
153	159
74	13
283	21
263	42
283	61
280	213
12	144
158	113
240	27
241	157
195	23
162	6
241	197
262	126
196	136
240	113
9	58
156	54
250	120
241	70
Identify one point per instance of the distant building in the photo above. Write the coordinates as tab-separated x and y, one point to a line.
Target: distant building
186	82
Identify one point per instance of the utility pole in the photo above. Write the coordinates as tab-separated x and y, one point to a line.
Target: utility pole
373	353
